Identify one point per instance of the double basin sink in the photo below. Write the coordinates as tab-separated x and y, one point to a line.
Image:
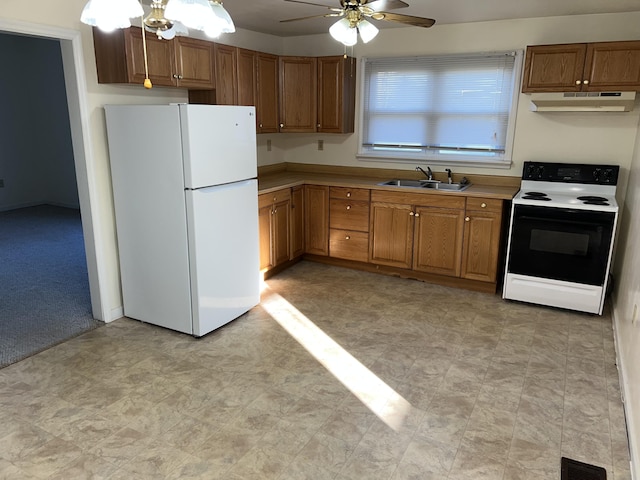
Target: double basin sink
430	184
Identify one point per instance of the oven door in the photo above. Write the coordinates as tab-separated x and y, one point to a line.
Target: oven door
560	244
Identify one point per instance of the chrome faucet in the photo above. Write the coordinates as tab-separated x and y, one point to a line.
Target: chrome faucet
428	173
448	170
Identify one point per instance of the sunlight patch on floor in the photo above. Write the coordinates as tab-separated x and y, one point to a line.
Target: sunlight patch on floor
381	399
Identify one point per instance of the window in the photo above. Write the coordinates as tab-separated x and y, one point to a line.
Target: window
447	109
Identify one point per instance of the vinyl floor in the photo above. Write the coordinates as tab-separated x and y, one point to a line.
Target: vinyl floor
338	374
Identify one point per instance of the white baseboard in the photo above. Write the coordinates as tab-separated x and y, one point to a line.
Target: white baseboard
116	313
634	453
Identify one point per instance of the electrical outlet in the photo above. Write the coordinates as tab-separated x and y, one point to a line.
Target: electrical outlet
634	315
1	182
320	144
268	145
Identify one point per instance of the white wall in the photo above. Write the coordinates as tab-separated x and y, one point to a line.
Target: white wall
627	304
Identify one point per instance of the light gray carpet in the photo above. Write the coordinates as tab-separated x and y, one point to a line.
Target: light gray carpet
44	285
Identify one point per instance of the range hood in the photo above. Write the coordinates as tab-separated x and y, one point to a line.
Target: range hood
583	102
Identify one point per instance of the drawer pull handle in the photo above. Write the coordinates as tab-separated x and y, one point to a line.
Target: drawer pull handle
483	205
347	237
348	207
467	219
348	194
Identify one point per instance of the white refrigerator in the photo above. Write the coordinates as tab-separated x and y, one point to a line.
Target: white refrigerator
186	210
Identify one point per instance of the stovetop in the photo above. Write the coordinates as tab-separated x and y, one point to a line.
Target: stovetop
576	186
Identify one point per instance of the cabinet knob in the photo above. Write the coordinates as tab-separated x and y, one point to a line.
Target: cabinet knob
180	77
348	194
175	75
417	214
411	214
467	219
483	205
585	82
348	207
275	210
282	125
318	125
275	199
347	237
260	125
578	82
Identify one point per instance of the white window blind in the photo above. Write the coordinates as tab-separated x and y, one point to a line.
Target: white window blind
449	108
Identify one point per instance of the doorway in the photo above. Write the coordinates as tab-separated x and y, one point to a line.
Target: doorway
77	103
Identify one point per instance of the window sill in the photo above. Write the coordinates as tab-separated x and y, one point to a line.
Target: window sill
435	160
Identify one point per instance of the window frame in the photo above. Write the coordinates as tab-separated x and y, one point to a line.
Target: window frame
456	159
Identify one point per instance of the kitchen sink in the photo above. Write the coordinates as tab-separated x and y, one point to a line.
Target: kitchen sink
430	184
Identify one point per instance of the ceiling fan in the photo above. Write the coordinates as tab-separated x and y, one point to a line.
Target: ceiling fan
355	14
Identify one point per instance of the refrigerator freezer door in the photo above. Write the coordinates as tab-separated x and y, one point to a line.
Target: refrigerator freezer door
219	144
224	254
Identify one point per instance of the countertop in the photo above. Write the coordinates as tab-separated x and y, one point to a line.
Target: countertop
285	179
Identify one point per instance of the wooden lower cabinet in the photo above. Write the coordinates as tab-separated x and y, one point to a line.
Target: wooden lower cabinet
274	226
482	239
297	221
391	234
316	208
423	233
438	240
349	223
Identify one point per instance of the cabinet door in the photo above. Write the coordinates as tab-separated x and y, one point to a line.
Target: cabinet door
194	63
391	234
316	207
612	66
336	94
482	234
160	58
246	74
554	68
297	221
267	93
438	240
226	74
298	94
264	220
280	232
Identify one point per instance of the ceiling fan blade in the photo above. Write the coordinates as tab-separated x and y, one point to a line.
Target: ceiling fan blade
379	5
314	4
312	16
407	19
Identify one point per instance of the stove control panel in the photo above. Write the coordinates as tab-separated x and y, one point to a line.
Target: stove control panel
571	173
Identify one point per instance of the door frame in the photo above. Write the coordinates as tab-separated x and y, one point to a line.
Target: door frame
78	106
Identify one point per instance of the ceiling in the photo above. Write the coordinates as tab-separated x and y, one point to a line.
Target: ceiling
265	15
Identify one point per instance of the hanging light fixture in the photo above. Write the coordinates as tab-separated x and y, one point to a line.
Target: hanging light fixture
109	15
167	18
346	29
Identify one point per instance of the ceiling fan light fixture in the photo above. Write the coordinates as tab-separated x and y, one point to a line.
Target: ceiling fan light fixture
109	15
223	16
196	14
344	32
367	30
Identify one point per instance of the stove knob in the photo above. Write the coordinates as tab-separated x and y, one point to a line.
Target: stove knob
607	175
596	174
530	171
540	171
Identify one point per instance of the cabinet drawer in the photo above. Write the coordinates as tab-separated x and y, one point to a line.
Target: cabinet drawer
349	214
349	193
484	204
349	245
266	199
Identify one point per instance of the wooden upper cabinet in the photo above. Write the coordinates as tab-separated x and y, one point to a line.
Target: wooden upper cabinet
336	94
267	93
612	66
226	74
181	62
298	94
247	77
582	67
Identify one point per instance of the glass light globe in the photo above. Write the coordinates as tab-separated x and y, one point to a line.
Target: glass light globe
343	32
